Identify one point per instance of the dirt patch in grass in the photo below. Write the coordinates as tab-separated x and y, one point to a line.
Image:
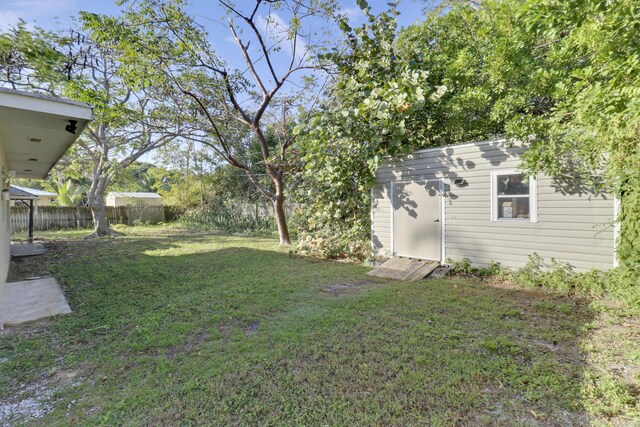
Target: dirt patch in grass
34	401
36	266
26	268
30	403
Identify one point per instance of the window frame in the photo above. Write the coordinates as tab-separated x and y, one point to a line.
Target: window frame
533	197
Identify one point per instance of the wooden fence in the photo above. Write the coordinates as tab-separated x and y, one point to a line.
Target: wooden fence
60	217
260	209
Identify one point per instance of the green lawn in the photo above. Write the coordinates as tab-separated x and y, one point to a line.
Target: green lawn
175	328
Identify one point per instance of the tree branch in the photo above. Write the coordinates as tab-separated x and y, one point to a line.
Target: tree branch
247	59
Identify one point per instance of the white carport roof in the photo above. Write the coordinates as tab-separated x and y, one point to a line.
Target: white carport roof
32	130
134	195
17	192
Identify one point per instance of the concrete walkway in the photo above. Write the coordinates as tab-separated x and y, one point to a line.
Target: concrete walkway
31	300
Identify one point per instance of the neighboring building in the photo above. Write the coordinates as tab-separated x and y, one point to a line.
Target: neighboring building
40	197
126	198
470	201
35	131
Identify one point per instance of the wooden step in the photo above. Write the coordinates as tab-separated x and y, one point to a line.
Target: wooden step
404	269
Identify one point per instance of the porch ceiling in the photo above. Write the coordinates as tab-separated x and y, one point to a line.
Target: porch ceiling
32	130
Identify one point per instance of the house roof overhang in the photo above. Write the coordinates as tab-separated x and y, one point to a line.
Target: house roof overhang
32	130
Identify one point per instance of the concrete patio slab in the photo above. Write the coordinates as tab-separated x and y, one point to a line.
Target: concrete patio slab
19	250
31	300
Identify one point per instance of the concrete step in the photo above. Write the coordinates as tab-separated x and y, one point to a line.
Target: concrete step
19	250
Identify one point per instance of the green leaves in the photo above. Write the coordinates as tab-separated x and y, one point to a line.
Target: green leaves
33	59
373	110
591	49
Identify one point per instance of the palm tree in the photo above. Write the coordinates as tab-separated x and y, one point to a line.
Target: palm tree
69	194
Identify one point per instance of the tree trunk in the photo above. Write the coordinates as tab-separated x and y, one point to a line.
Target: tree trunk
98	211
278	209
99	214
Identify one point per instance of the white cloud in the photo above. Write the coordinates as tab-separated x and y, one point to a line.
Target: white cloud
353	14
277	30
34	11
8	19
41	7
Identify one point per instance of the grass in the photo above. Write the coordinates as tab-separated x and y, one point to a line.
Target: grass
176	328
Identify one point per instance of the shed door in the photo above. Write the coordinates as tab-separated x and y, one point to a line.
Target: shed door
417	219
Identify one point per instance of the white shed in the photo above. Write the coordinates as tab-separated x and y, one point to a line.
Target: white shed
128	198
471	201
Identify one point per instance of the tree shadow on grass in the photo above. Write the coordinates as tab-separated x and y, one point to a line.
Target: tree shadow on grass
450	352
244	334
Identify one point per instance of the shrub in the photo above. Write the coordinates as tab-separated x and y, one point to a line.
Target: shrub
328	244
464	266
227	220
561	277
330	235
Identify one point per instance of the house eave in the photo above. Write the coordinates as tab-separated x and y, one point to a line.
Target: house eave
32	130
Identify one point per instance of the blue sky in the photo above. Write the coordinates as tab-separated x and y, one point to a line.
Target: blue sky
58	14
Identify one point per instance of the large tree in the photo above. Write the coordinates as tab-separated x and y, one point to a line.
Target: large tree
274	42
591	53
130	119
378	104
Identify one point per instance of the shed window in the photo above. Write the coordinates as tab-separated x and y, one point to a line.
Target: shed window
513	197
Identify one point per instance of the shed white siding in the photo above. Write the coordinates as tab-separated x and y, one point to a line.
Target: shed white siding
381	219
572	226
116	199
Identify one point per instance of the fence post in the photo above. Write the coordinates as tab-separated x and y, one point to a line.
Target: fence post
30	221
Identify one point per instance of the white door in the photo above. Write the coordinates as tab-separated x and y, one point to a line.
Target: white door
417	222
